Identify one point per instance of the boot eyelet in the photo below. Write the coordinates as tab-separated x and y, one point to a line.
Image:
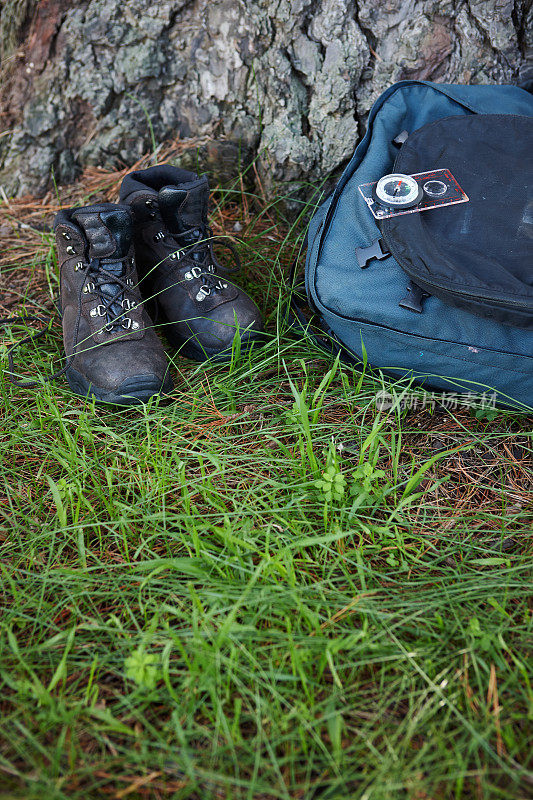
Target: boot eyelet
159	235
195	272
128	304
66	236
78	266
89	287
204	292
129	323
70	250
97	311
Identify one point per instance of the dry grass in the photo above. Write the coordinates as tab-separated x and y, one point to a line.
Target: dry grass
370	647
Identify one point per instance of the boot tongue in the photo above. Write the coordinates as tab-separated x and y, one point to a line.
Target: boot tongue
108	230
184	207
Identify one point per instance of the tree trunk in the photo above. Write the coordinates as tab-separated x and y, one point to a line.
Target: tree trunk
96	82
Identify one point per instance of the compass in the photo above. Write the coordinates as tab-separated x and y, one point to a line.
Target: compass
397	191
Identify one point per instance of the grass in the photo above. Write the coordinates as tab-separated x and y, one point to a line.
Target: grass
264	589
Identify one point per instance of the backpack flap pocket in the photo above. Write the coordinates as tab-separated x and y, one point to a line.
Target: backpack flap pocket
476	255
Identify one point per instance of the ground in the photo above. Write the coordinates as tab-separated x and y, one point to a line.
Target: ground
266	588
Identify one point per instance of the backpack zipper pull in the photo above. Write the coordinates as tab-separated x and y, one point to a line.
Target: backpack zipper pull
401	138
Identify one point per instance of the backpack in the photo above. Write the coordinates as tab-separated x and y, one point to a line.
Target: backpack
443	296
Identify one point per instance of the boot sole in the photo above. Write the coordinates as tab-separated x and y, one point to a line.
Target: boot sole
134	391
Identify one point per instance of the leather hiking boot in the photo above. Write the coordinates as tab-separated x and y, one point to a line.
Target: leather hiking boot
112	349
201	310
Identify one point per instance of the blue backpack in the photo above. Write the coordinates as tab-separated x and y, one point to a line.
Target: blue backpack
466	325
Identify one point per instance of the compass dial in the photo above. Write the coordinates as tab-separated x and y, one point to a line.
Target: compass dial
397	191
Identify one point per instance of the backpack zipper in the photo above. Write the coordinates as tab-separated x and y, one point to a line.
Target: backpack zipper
430	285
470	295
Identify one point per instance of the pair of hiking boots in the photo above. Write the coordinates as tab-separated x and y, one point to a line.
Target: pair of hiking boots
147	261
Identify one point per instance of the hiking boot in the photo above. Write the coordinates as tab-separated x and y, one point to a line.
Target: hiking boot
112	349
201	310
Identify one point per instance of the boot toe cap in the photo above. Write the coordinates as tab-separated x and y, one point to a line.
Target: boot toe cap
215	334
132	390
116	373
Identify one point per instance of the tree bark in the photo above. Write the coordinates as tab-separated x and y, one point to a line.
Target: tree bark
290	80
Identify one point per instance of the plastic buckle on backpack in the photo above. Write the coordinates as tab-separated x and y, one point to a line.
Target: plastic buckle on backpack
366	254
414	298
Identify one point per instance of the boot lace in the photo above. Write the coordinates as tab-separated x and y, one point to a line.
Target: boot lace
111	306
199	257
